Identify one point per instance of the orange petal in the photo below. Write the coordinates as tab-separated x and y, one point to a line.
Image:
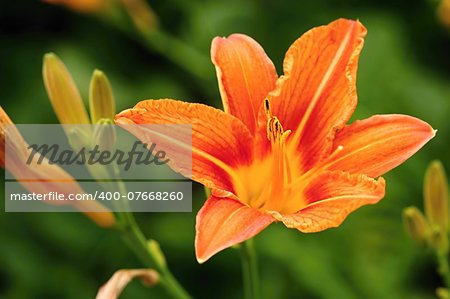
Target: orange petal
317	93
378	144
18	146
223	222
44	178
245	74
217	137
332	197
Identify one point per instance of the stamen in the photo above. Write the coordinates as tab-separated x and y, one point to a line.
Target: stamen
281	172
267	108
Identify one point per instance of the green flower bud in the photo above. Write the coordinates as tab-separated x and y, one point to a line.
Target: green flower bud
439	240
105	134
416	225
436	195
63	92
101	98
442	293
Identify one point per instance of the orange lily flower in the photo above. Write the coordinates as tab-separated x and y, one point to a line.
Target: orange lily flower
281	150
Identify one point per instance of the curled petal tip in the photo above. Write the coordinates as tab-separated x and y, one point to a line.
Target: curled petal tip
432	132
123	121
125	117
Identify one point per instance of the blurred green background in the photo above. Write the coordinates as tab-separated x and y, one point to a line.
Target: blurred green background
404	68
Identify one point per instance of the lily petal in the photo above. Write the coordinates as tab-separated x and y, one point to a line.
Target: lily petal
245	74
223	222
18	146
44	178
217	137
317	94
380	143
332	197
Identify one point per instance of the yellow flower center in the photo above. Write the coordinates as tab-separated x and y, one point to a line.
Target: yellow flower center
267	184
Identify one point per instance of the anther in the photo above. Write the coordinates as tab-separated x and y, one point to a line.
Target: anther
267	108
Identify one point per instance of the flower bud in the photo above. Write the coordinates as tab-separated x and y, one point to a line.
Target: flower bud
443	13
416	225
442	293
105	134
63	92
142	15
436	196
439	240
78	136
153	247
101	98
43	174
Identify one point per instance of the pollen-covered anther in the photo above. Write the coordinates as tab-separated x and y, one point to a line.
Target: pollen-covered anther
280	168
267	108
274	129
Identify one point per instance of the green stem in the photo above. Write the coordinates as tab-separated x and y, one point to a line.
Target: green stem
137	242
250	270
444	269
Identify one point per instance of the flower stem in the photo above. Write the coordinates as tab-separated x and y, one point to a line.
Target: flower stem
137	242
443	268
250	270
